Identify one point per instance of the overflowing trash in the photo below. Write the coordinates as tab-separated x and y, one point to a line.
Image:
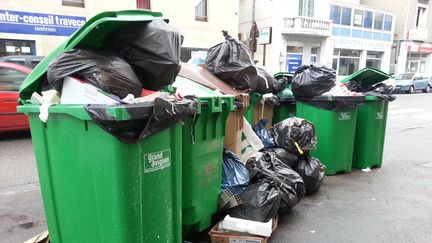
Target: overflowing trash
235	176
231	61
313	80
312	172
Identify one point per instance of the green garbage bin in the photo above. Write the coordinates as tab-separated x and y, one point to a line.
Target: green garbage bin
94	187
371	121
254	99
203	139
335	131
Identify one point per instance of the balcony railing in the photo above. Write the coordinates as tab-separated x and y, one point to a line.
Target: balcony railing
307	26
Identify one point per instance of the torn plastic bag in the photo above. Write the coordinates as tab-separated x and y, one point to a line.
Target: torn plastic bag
286	157
265	82
334	103
290	184
312	172
231	61
313	80
294	134
260	202
235	176
152	49
144	119
98	67
263	134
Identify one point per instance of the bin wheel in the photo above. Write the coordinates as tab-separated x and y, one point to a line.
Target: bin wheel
427	89
411	90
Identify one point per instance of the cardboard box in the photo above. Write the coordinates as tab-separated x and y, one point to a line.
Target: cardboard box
263	110
234	237
234	126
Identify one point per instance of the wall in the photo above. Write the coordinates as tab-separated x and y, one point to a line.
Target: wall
222	15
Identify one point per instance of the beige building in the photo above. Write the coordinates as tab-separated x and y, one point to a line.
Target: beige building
37	27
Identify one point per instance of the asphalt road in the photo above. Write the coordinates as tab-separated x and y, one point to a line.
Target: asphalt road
391	204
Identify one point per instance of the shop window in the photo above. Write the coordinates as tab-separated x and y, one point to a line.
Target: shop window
346	16
367	23
373	59
17	47
335	14
74	3
314	54
346	61
358	18
378	21
388	22
294	49
201	10
306	8
143	4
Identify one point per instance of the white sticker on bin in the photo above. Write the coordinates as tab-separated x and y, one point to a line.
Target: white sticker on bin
344	116
157	160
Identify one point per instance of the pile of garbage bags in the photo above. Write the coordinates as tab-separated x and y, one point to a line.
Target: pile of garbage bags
280	175
130	70
232	62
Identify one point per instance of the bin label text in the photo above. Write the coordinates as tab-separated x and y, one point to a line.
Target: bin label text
343	116
157	160
380	115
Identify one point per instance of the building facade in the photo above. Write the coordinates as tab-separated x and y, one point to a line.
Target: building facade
412	47
343	35
38	27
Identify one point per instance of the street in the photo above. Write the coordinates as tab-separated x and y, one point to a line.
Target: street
390	204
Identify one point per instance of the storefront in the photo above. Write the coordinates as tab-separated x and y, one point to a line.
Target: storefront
29	33
414	57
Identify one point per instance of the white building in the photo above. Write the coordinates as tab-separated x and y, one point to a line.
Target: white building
412	50
343	35
24	32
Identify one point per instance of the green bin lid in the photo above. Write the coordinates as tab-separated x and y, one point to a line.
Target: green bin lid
367	76
92	34
283	74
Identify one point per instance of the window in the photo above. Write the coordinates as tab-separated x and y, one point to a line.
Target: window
358	18
10	47
388	22
422	66
306	8
335	14
294	49
421	16
143	4
373	59
73	3
368	20
201	10
346	61
346	16
10	79
378	21
314	54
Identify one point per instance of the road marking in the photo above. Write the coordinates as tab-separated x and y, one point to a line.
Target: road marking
404	111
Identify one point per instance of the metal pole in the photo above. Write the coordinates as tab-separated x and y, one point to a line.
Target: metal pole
264	54
253	20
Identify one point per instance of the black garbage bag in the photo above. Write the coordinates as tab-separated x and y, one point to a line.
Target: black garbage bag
263	134
232	62
260	202
286	157
235	176
145	119
334	103
265	82
98	67
152	49
312	172
294	134
281	83
312	80
291	186
381	90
